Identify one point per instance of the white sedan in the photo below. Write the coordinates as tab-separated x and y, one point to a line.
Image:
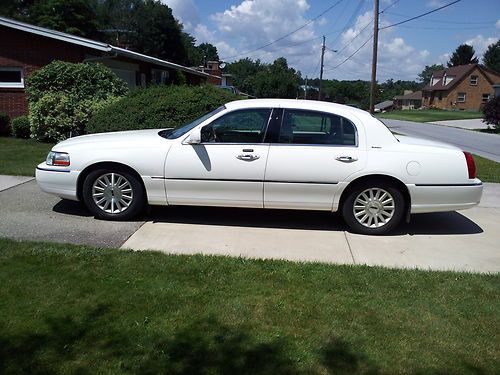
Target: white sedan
266	153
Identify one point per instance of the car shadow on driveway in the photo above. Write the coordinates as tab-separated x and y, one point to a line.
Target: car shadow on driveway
439	223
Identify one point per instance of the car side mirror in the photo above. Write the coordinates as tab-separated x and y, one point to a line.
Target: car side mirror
194	137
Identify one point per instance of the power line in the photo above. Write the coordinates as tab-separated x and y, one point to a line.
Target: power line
443	21
288	34
351	55
420	15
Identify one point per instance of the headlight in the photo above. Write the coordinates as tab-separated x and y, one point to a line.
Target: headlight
58	158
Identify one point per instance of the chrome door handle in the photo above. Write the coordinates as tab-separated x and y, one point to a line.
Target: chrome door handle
248	157
346	159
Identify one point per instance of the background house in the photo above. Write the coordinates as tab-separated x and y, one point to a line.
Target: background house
25	48
463	87
409	100
386	105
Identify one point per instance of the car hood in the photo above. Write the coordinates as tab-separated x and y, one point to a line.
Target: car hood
423	142
135	137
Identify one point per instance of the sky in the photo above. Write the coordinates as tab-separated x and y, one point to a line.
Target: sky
266	30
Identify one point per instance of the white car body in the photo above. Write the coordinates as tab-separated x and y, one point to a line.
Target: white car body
271	175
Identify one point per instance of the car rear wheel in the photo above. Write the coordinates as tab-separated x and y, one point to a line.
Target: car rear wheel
113	194
373	208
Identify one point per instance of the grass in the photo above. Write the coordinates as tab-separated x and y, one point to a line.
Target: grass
429	115
487	170
73	309
19	157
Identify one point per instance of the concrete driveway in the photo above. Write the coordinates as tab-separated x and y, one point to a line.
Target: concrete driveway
443	241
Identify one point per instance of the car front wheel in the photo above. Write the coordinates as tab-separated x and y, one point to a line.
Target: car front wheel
373	208
113	194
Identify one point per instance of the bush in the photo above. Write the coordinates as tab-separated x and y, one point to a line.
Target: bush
491	112
21	127
56	116
81	81
5	128
158	107
62	97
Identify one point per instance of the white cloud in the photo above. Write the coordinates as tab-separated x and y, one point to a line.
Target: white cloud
480	44
396	58
254	23
435	3
497	25
185	11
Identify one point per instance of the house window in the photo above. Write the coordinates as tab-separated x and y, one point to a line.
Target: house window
158	76
11	77
461	97
473	80
485	98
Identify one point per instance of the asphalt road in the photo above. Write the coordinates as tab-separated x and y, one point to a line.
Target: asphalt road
482	144
26	213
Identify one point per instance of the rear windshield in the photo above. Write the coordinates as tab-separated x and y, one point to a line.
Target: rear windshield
180	131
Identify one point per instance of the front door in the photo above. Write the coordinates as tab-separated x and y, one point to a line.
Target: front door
227	168
315	151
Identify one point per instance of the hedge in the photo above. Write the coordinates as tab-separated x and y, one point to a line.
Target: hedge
158	107
63	96
21	127
5	128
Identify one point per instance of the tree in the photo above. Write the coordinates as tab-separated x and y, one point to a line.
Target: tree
77	17
208	52
429	70
277	81
491	112
491	57
157	33
463	55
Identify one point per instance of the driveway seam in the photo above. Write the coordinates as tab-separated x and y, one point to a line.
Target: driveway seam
349	246
19	184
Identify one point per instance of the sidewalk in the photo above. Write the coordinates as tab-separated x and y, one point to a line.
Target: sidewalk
470	124
6	182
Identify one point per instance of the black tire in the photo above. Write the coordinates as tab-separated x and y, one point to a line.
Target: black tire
383	218
132	193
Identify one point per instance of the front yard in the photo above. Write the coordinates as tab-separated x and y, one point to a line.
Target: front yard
73	309
19	157
429	115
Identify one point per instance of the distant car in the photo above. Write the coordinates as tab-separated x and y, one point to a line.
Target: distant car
266	153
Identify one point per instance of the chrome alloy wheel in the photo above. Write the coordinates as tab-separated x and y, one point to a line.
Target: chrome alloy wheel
374	207
112	193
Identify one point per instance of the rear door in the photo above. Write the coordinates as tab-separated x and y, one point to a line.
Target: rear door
314	151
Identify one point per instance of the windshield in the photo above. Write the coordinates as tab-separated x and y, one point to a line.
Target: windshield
180	131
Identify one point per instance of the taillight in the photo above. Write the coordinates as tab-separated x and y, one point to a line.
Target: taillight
471	166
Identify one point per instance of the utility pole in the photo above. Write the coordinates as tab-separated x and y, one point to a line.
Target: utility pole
321	68
374	58
305	91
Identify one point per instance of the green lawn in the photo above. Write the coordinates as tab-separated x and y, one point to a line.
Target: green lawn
429	115
487	170
19	157
78	310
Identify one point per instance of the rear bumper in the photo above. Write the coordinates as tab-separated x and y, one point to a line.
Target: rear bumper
57	181
440	198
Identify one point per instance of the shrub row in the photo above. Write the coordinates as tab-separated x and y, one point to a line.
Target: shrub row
63	96
158	107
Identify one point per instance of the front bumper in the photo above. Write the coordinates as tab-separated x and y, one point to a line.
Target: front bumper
58	181
441	198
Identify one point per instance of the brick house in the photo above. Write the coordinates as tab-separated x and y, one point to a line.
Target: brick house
463	87
25	48
409	100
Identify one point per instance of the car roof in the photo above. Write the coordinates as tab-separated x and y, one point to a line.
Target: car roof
296	104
